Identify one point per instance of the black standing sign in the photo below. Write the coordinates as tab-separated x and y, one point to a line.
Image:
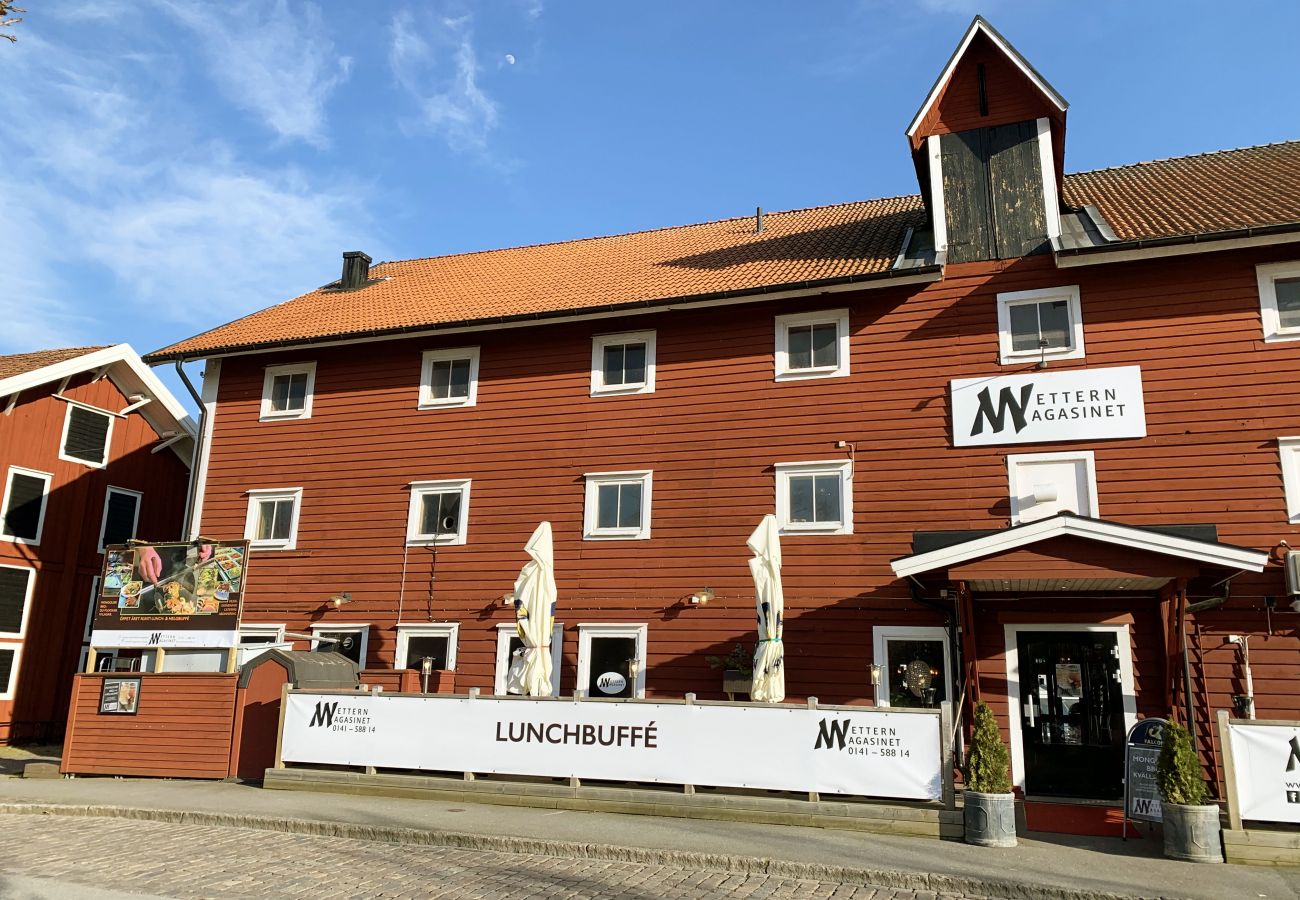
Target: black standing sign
1141	752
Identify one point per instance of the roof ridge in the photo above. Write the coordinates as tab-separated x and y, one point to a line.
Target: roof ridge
1163	159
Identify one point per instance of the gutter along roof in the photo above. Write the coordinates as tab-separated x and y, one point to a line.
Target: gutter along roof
1176	201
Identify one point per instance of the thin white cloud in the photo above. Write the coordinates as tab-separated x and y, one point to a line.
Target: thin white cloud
434	61
273	60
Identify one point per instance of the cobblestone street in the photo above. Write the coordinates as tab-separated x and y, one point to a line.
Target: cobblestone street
200	861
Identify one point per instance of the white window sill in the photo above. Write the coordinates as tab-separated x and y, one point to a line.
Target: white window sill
793	528
449	403
1279	337
452	541
806	374
258	545
1028	356
283	416
616	536
622	389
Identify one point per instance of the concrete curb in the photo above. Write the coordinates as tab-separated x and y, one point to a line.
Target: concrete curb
745	865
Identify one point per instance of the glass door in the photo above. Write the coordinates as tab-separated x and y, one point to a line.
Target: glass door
1071	713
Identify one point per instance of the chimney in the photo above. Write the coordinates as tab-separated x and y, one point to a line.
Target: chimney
356	270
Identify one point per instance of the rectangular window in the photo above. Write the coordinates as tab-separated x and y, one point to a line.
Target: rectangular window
25	497
15	599
272	522
439	512
611	660
812	345
617	506
449	378
434	640
914	666
350	640
1040	324
86	434
121	515
509	643
287	391
8	670
254	640
623	363
1279	300
1044	484
815	497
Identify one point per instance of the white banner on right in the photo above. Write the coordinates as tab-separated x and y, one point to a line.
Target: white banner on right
1266	760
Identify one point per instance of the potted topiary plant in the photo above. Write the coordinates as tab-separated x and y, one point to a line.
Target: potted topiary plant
1191	824
737	670
989	806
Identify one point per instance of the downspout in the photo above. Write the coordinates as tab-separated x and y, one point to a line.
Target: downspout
198	449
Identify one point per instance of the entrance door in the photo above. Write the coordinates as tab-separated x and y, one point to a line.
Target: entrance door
1071	714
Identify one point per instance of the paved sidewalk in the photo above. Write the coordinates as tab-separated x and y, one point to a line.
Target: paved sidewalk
1045	865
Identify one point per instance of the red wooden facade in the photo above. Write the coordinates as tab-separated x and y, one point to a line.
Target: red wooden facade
67	559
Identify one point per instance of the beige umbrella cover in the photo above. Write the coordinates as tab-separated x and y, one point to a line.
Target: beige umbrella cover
530	669
769	657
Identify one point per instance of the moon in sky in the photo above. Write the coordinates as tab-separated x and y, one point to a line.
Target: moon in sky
510	59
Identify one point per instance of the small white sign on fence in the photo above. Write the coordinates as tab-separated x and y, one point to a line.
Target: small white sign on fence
864	752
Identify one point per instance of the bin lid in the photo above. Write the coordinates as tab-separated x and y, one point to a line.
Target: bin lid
307	668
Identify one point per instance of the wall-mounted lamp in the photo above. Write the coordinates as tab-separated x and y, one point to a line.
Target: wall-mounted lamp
508	599
701	598
875	675
1244	705
426	669
339	599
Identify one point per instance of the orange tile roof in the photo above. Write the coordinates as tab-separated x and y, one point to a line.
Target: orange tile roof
21	363
1222	191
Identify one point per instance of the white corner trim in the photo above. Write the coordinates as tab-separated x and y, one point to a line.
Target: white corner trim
1047	162
211	384
1075	526
938	210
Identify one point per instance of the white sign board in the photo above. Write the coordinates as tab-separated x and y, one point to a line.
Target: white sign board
1038	407
835	751
163	638
1266	764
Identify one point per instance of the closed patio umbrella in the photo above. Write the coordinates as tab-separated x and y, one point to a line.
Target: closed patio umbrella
530	669
769	657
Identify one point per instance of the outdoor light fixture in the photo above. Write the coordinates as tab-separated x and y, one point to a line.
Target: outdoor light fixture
701	598
426	669
508	599
339	599
875	675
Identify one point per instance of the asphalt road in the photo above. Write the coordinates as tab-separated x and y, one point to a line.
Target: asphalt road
109	859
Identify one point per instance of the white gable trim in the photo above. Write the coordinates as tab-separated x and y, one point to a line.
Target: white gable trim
1077	526
976	27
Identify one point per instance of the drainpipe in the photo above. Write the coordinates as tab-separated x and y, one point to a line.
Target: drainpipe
198	450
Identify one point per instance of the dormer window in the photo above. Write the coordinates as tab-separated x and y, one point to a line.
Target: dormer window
1040	324
287	391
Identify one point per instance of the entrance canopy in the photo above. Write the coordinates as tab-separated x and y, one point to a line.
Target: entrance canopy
1072	552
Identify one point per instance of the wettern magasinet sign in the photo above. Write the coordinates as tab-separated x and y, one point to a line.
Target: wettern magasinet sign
1042	407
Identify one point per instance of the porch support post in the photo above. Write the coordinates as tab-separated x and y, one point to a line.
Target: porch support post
1168	633
1187	662
965	607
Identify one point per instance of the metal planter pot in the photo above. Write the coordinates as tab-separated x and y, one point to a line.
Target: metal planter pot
1192	833
990	819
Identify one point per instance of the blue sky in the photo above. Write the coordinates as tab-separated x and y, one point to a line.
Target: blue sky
168	165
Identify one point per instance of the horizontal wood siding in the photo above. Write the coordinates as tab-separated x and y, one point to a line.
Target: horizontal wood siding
182	730
68	558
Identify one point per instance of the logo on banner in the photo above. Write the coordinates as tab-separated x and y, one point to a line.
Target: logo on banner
155	638
324	714
611	683
832	731
1007	402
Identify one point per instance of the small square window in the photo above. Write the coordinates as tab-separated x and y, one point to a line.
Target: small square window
272	522
449	378
812	345
439	512
1040	324
617	506
623	363
1279	300
435	641
23	511
350	640
121	515
86	436
287	391
815	497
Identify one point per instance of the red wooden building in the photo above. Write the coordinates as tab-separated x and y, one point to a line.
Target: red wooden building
1029	435
94	450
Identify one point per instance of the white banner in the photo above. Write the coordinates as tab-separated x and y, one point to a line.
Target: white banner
1075	405
1266	766
862	752
163	638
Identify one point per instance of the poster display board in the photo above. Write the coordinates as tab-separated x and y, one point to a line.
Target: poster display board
1141	752
1266	770
119	696
171	595
857	751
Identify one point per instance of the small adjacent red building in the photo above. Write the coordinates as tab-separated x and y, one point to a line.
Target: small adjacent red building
1030	437
94	450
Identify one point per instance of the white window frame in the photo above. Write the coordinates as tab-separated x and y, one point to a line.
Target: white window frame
261	629
108	434
17	647
838	317
841	467
45	505
1289	451
414	513
1070	294
103	520
90	609
882	634
328	629
27	603
1014	488
600	342
588	630
449	630
427	400
508	630
591	531
250	522
268	380
1265	275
